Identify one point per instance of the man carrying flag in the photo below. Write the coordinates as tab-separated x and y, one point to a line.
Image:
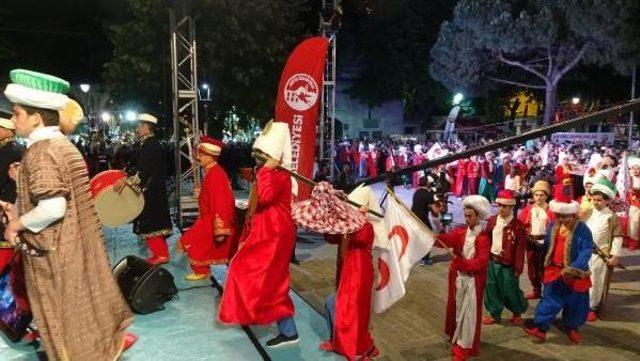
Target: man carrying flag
467	277
348	310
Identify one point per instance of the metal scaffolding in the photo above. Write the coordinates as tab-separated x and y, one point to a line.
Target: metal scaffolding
329	25
185	108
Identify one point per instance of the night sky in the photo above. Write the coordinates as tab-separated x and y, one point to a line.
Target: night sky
61	37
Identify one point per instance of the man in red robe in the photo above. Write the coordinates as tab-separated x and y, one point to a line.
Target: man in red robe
256	291
349	309
467	277
473	171
210	240
372	161
460	186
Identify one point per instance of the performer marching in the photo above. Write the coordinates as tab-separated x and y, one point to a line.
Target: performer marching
154	223
257	286
209	240
536	218
634	200
606	231
568	246
76	303
585	201
349	309
508	238
467	277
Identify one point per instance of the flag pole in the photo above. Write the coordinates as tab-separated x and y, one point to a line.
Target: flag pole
425	228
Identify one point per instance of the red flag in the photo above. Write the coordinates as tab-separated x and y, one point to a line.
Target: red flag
298	101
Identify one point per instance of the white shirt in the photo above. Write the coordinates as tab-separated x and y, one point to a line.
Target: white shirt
496	241
48	210
598	223
538	221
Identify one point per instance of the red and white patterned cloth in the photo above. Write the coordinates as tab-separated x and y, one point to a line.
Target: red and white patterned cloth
325	212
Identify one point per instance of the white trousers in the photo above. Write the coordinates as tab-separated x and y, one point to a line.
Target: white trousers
466	311
598	270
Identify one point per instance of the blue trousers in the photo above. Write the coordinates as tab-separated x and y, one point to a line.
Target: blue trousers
556	297
330	309
287	326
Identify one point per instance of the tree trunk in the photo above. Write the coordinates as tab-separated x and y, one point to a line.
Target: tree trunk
550	102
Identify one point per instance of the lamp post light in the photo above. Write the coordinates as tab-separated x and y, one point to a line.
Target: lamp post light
87	98
205	97
575	100
458	98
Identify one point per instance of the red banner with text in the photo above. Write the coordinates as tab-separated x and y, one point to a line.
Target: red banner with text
298	101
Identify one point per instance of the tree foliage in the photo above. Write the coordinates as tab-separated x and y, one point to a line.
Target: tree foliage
242	46
390	42
532	43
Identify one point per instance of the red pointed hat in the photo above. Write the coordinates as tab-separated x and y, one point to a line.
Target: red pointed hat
210	145
506	197
562	202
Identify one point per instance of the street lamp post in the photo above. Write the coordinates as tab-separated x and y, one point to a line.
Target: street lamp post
87	98
205	98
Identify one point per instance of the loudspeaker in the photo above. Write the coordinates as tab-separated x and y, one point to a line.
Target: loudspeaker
144	286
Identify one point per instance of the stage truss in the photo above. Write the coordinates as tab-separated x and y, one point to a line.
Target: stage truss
184	67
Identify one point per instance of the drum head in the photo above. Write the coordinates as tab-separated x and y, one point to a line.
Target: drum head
115	208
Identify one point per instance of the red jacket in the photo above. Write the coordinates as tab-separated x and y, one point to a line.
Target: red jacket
354	279
257	287
514	242
216	218
473	169
476	266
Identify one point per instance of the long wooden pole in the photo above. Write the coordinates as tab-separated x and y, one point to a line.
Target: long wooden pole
309	182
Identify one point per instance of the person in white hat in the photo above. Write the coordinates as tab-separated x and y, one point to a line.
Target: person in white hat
210	240
568	246
633	197
536	217
467	278
256	290
76	303
153	225
606	230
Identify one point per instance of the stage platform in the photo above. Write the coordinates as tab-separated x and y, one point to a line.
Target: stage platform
187	329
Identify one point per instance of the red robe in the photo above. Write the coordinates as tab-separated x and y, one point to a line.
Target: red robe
476	266
473	171
372	164
417	159
216	217
461	177
354	277
257	287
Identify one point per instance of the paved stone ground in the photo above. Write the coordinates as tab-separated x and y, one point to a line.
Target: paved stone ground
413	328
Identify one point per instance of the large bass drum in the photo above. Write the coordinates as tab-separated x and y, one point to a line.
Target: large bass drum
116	206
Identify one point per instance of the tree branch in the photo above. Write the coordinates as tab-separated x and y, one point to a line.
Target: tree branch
521	65
524	85
573	62
550	61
